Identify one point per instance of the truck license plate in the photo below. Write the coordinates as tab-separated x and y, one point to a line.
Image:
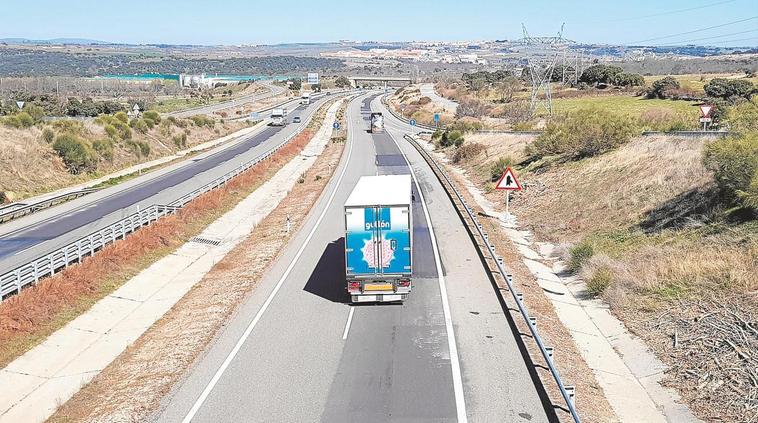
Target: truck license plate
377	287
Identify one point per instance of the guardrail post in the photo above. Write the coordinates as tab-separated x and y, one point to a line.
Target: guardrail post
520	298
533	321
571	392
550	352
500	261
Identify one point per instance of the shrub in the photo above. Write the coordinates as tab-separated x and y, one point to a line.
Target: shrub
48	135
122	117
466	124
454	137
139	148
600	74
498	168
743	117
522	126
152	115
104	148
600	280
624	79
35	112
663	88
437	135
200	121
423	100
25	120
180	140
734	162
583	133
12	121
68	125
77	155
111	131
473	108
138	125
580	253
729	89
468	151
149	122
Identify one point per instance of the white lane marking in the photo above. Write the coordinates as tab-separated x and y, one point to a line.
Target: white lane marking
347	324
216	377
460	402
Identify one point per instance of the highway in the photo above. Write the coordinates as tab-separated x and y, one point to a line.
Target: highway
32	236
297	351
211	108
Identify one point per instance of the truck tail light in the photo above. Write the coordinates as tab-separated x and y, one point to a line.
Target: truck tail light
354	286
405	283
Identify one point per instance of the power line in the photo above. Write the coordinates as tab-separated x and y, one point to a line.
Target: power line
715	36
696	30
735	41
670	12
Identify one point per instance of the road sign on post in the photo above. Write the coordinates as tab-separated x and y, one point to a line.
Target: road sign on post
20	104
336	125
412	122
313	79
508	183
437	119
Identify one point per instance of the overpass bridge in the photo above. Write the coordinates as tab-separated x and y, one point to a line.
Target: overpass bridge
356	81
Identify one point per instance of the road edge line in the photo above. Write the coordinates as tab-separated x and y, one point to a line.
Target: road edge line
460	401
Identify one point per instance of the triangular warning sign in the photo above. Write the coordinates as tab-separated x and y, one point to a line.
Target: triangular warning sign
705	109
508	181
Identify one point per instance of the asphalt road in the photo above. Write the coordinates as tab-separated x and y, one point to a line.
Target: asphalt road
428	90
204	110
33	236
297	351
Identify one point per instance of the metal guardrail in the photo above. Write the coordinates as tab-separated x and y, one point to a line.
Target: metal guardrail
567	392
16	210
21	277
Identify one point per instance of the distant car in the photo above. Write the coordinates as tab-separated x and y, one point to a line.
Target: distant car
296	119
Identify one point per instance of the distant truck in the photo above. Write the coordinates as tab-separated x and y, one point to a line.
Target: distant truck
377	123
379	239
306	98
278	117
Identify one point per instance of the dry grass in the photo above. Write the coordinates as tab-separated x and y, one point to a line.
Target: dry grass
131	387
28	318
29	166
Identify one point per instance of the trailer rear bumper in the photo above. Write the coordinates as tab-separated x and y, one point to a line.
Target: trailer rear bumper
378	298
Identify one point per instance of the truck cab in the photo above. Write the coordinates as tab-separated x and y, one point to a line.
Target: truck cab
376	123
379	239
278	117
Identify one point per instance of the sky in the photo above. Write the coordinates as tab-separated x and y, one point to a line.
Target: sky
651	22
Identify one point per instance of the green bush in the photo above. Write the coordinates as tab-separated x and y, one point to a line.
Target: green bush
104	148
467	152
662	88
11	121
152	115
498	168
138	125
583	133
122	117
734	162
149	122
77	155
180	140
729	89
111	131
139	148
600	280
454	137
35	112
48	135
743	116
200	121
580	253
25	120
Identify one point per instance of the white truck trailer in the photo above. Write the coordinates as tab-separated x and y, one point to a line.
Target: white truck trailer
278	117
379	239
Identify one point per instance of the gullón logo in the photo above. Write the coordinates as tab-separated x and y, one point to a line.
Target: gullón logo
377	218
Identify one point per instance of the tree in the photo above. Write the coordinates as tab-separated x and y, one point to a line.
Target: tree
734	162
295	84
628	80
507	88
662	88
342	82
600	74
729	89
